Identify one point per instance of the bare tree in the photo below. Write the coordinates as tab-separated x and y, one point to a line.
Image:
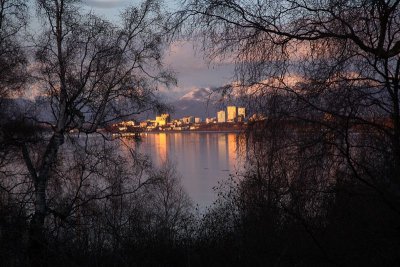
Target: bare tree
12	59
92	72
13	16
328	73
332	63
168	202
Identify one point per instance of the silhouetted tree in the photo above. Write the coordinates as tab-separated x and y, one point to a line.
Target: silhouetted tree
12	57
345	53
324	77
92	72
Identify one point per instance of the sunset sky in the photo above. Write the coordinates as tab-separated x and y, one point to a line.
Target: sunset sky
192	69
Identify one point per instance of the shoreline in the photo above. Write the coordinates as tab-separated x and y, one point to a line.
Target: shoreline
132	134
195	131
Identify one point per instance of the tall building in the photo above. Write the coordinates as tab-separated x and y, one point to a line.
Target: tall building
232	113
242	112
221	116
163	119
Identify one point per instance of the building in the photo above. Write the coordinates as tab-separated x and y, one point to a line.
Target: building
163	119
187	120
197	120
242	112
211	120
232	113
221	116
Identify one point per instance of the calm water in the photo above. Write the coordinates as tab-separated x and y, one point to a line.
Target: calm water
202	159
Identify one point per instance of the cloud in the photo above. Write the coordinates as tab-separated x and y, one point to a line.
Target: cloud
105	3
193	71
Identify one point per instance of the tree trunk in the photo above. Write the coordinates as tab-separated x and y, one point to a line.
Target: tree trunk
37	240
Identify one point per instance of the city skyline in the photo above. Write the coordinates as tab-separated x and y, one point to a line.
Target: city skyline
165	122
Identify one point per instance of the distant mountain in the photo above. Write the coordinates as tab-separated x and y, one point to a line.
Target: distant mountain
198	94
200	102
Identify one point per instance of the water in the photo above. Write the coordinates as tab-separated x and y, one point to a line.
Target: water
202	159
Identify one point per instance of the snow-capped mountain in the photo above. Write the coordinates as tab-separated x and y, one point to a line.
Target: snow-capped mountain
198	94
200	102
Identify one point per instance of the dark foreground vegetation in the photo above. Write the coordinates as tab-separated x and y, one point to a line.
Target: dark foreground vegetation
321	184
109	210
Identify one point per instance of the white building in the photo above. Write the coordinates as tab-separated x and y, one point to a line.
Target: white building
242	112
221	116
232	113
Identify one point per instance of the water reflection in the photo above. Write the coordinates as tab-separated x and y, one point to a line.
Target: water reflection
161	146
202	159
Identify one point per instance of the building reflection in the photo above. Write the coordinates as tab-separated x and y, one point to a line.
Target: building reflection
161	145
232	150
223	150
202	159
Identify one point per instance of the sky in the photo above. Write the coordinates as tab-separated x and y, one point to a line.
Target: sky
192	70
189	64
